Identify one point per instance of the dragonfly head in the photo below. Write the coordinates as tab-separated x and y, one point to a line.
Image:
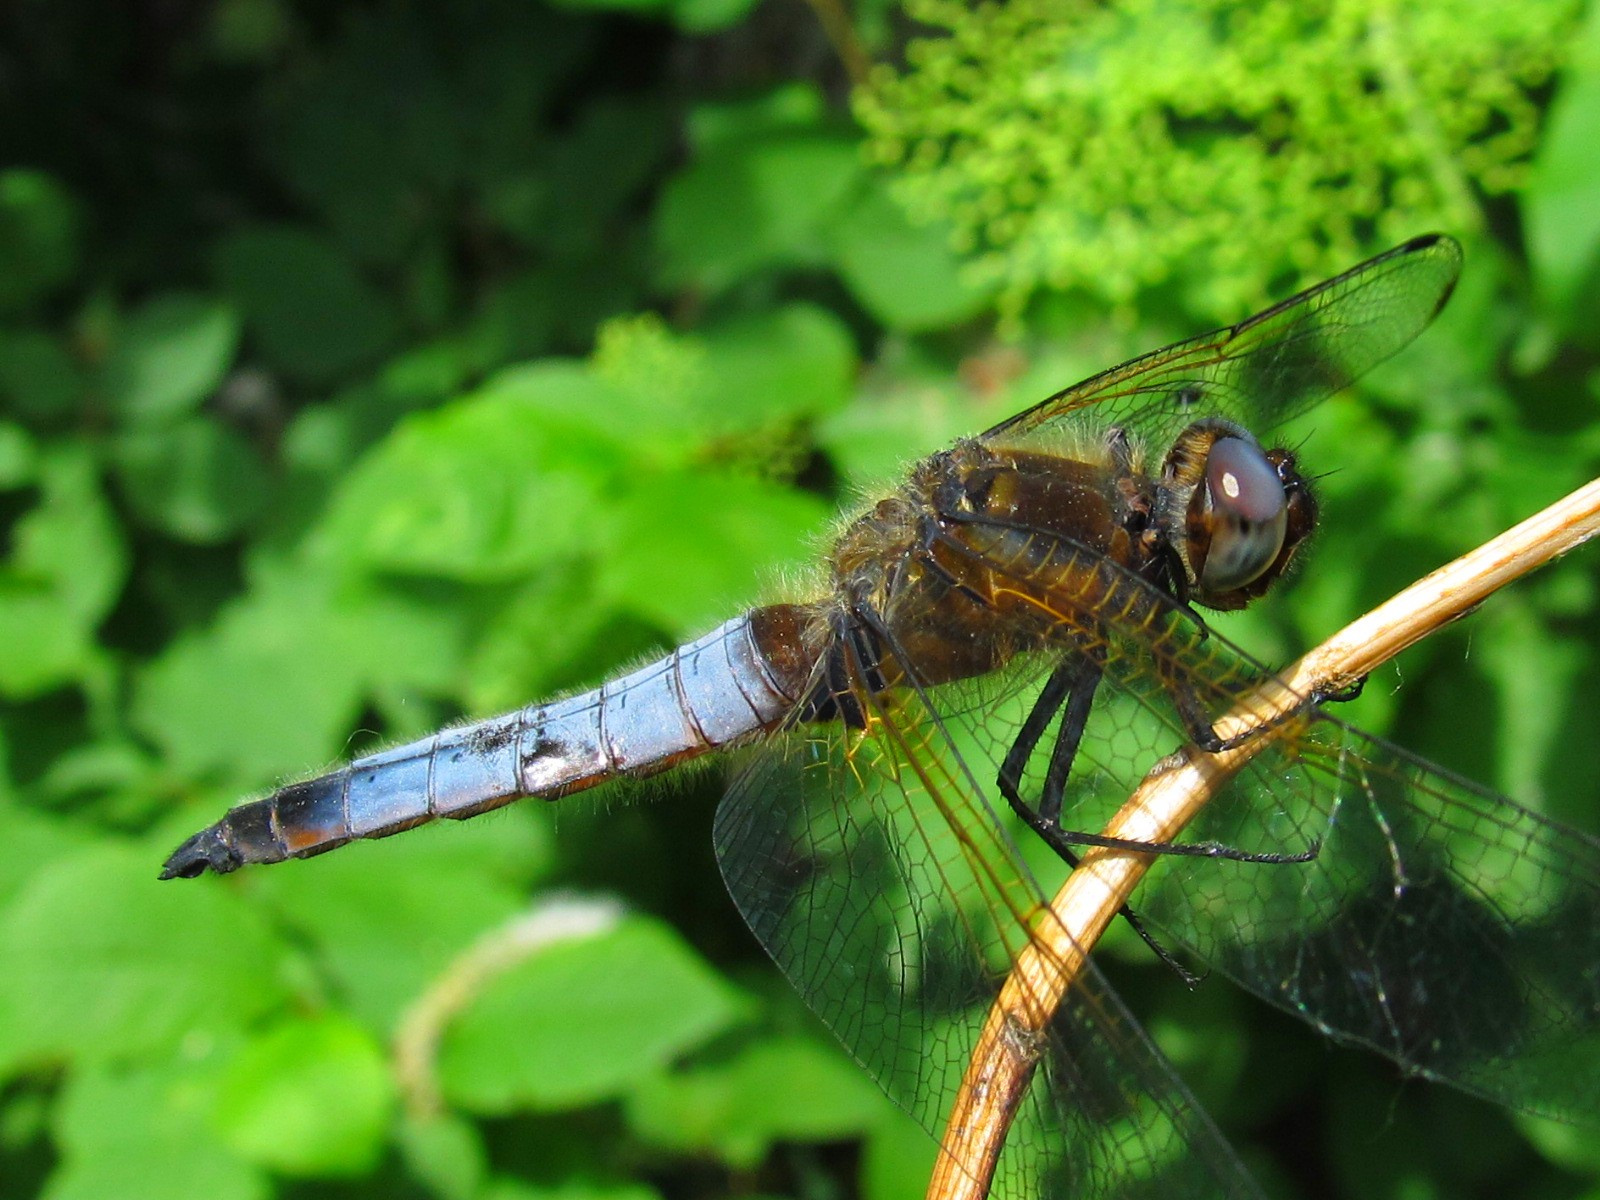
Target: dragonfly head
1233	513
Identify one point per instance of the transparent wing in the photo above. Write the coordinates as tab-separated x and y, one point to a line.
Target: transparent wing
1273	365
889	896
1440	923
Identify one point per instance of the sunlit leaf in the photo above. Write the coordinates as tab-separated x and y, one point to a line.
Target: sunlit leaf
906	274
308	1097
783	1089
1563	197
684	574
206	702
103	964
145	1134
581	1021
446	1153
485	489
67	564
17	456
899	1158
793	361
28	840
747	206
385	919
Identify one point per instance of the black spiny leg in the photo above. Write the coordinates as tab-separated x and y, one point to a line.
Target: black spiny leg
1204	735
1073	681
1077	680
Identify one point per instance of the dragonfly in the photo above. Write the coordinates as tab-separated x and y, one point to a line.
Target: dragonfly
1009	638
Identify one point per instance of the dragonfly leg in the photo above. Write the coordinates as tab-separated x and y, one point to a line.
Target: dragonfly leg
1082	684
1204	735
1074	681
1038	720
1345	694
1188	849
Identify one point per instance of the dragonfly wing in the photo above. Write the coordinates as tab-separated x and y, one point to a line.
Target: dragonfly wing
891	898
1270	367
1441	924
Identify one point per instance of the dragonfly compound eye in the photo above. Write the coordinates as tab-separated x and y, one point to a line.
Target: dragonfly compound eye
1246	515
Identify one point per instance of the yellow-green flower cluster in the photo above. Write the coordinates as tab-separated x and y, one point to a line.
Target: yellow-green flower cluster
1101	145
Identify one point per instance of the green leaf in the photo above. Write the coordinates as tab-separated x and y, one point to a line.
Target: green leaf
39	380
792	107
44	645
267	690
1568	1146
899	1157
385	918
18	456
28	840
401	642
798	360
582	1021
71	538
66	569
169	356
780	1089
275	684
610	155
670	399
145	1134
745	206
308	1097
197	481
873	444
546	637
102	962
446	1154
246	32
905	274
1563	196
39	237
683	574
1537	673
709	16
307	308
386	164
489	488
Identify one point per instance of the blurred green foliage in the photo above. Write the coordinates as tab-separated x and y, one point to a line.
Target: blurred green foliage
1083	145
367	365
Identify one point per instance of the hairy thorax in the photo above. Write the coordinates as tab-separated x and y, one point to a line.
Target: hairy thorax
958	564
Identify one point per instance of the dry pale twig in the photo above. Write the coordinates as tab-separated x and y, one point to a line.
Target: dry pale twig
555	919
1002	1063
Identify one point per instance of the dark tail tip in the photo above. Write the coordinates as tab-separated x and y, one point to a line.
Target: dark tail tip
206	851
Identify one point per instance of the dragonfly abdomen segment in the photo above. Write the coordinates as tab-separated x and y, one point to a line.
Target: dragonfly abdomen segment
727	685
